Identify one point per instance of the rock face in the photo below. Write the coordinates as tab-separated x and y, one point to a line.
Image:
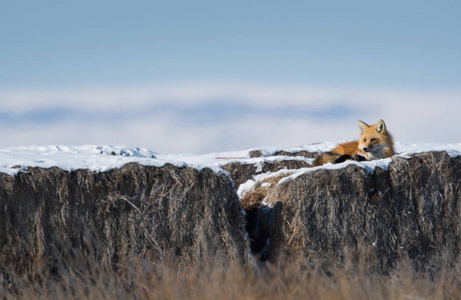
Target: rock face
51	218
412	210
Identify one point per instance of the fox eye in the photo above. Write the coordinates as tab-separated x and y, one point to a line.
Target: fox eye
364	140
373	140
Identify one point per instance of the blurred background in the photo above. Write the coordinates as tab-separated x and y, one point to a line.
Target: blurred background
206	76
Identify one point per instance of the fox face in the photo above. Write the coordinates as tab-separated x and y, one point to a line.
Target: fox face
375	141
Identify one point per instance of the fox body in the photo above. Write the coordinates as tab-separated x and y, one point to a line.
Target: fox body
375	143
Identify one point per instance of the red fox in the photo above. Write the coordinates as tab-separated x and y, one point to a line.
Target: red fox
375	143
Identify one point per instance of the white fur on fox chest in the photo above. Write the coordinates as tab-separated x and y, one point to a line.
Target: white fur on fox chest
377	152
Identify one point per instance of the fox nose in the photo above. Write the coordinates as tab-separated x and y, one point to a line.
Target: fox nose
366	149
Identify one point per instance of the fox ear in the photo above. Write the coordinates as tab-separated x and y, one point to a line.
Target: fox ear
380	126
363	126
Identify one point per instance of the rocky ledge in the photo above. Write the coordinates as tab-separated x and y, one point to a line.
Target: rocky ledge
407	208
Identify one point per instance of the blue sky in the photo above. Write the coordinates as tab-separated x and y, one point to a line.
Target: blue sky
207	71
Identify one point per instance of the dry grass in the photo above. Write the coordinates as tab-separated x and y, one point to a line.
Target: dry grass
215	278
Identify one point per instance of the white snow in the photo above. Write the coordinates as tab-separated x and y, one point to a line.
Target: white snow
369	166
69	158
104	158
405	149
245	187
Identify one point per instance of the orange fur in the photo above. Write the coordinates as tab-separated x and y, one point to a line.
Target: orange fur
350	148
375	143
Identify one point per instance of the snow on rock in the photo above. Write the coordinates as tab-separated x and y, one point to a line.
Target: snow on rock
405	149
245	187
369	166
402	149
104	158
95	158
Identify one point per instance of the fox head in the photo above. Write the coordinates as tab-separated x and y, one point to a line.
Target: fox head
375	141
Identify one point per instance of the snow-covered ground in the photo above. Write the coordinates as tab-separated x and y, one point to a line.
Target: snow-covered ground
104	158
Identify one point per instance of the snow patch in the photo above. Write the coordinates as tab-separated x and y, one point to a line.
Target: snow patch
245	188
104	158
369	166
406	149
68	158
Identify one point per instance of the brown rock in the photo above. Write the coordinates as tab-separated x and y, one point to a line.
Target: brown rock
410	211
52	219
